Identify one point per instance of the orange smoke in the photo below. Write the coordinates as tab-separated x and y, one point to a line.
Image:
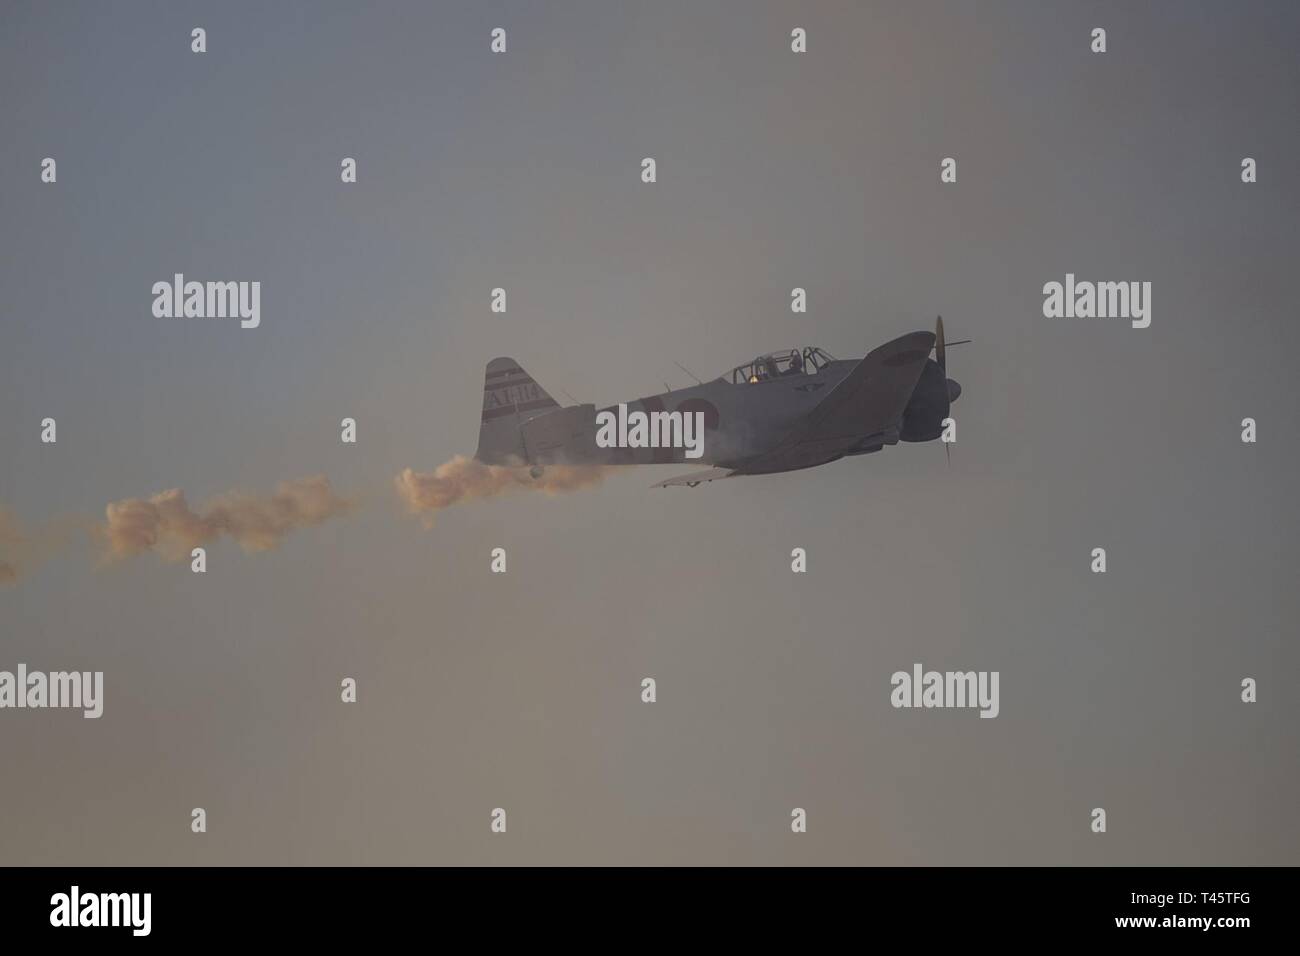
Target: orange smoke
21	551
467	479
166	523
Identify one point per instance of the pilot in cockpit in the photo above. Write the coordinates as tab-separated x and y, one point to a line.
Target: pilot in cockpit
796	365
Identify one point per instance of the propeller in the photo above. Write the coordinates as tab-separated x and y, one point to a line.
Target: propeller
941	359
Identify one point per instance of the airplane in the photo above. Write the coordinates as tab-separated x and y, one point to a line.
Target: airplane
784	411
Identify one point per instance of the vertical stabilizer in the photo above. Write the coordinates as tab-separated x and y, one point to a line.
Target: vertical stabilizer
510	398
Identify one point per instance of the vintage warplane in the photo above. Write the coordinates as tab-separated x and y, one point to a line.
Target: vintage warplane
781	412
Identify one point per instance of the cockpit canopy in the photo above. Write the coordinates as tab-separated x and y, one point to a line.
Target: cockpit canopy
805	361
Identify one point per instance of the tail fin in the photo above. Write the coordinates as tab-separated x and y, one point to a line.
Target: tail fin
510	397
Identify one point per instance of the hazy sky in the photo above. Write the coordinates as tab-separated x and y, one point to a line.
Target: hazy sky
775	170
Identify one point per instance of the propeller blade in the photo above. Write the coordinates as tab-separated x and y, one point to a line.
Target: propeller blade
941	357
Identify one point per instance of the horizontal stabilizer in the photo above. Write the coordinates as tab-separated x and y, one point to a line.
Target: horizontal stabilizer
696	477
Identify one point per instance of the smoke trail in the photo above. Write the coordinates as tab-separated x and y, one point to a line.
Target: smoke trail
166	523
12	541
467	479
21	551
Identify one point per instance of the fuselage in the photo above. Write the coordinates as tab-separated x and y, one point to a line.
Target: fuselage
741	420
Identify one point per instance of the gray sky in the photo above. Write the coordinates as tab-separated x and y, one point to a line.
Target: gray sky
775	170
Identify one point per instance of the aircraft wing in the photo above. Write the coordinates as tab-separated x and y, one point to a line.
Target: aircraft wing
696	477
869	401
